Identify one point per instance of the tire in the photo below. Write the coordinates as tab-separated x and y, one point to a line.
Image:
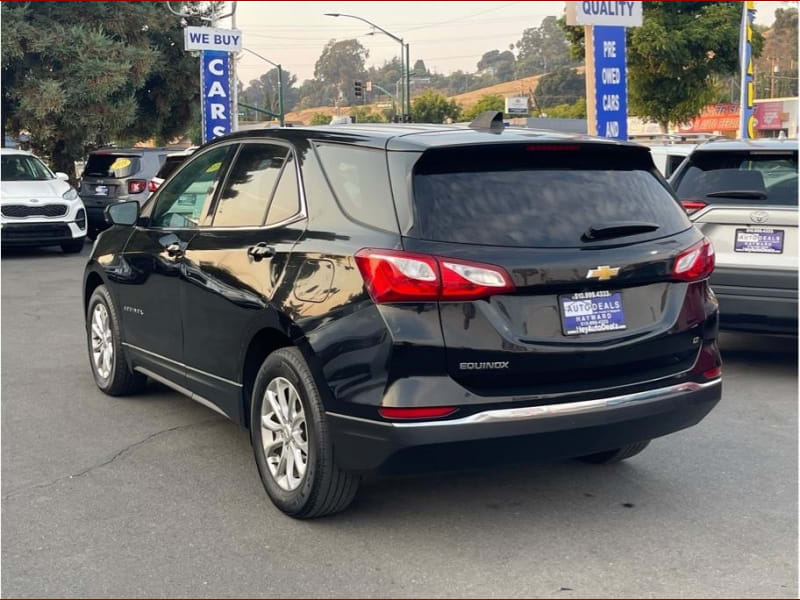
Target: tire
118	379
322	488
74	246
614	456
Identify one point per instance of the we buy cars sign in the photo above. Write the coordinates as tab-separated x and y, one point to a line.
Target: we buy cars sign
211	38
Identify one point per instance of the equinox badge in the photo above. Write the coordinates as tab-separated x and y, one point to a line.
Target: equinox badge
602	272
479	366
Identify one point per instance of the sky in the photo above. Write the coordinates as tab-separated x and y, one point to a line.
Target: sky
447	35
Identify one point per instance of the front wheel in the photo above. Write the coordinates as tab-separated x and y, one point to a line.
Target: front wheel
291	441
106	353
618	454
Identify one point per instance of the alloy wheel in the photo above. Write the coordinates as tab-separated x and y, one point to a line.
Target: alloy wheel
284	433
102	341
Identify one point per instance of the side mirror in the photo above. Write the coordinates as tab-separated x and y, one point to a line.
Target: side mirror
123	213
62	176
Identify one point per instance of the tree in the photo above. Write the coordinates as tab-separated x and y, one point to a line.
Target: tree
364	114
779	53
420	68
562	86
499	64
263	92
674	57
433	107
484	103
542	49
340	64
77	75
577	110
320	119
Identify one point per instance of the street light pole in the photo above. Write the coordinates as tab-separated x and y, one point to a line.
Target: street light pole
281	115
406	105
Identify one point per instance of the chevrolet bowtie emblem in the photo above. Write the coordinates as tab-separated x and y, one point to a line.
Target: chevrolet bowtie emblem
602	272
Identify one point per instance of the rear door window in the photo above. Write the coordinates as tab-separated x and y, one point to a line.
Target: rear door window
116	166
763	177
249	186
535	196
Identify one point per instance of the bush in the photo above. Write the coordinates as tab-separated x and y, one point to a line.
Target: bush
320	119
434	107
485	102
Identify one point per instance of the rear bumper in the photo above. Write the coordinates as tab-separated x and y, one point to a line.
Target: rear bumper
746	304
555	430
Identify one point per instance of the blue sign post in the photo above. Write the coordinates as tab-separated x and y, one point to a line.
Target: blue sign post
215	83
611	94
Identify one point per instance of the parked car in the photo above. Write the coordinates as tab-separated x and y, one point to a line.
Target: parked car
669	157
743	196
171	164
38	207
351	292
117	175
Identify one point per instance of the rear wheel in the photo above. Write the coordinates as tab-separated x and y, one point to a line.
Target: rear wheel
106	353
614	456
74	246
291	441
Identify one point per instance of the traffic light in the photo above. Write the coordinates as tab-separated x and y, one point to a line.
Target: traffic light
358	87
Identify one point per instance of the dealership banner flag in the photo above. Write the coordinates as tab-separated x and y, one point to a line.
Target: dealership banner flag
747	116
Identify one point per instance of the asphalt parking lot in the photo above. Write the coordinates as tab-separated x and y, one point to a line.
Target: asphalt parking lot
156	496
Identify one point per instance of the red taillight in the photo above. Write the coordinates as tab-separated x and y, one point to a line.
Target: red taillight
430	412
136	186
152	185
692	206
713	373
397	276
694	263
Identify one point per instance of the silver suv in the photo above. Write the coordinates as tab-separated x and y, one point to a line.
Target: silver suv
742	194
117	175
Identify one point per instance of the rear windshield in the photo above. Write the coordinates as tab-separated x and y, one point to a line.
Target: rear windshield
769	178
539	196
20	167
117	166
170	165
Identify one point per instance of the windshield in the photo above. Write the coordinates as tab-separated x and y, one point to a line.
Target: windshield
769	178
21	167
526	197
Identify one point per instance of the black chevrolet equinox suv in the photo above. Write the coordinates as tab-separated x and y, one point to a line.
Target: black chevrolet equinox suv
356	293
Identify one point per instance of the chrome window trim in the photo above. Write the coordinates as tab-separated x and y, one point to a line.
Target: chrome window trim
180	364
299	216
547	411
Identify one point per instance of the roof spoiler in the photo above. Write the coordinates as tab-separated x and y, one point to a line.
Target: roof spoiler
489	119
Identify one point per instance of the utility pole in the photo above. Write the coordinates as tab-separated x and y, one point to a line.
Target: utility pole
772	72
408	84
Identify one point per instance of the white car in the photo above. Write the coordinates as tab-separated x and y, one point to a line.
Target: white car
38	207
669	157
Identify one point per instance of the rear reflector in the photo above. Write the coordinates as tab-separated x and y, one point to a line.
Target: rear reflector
431	412
713	373
694	263
398	276
692	206
137	186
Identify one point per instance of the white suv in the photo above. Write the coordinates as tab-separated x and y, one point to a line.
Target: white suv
38	207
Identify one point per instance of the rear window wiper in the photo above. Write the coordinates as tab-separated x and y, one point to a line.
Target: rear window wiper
746	194
607	231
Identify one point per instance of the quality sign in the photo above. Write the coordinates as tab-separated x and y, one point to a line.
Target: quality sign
215	82
610	85
624	14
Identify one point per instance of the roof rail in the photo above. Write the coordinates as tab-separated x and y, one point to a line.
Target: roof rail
673	138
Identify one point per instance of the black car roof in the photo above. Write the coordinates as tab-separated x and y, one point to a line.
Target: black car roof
421	136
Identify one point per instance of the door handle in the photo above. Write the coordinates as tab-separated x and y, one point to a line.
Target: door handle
174	249
260	251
